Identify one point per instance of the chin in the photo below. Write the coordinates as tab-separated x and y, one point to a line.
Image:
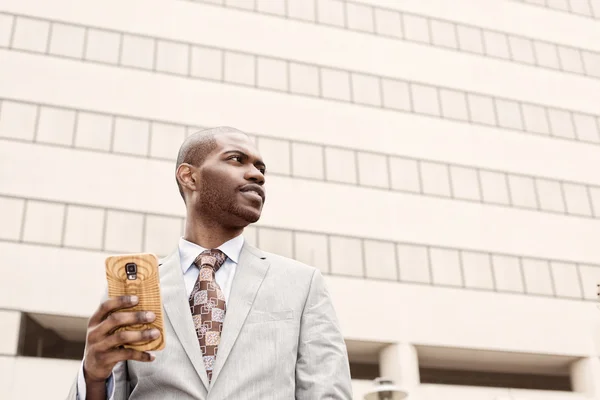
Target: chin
247	216
253	217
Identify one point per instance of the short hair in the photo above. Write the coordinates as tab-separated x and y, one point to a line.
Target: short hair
195	149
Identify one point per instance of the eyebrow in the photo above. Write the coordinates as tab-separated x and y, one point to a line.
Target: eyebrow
258	162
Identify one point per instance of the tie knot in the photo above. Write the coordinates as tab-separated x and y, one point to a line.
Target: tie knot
212	258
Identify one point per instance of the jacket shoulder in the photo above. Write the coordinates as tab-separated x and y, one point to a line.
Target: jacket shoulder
289	265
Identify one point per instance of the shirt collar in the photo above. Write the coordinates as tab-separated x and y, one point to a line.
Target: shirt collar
188	251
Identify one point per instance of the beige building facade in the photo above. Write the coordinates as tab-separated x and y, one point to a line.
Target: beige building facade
438	161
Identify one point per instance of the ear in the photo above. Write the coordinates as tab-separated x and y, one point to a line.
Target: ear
186	175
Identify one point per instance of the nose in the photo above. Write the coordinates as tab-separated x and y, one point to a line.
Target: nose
253	174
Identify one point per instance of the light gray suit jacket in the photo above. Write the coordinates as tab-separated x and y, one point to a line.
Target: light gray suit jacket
281	340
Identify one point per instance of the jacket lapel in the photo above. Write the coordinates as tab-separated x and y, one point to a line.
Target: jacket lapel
177	310
250	273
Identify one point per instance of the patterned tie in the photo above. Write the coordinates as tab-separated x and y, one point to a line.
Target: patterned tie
207	304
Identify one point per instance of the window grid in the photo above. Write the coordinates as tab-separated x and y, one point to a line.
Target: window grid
430	40
594	14
37	123
64	225
75	123
142	236
523	277
462	269
248	78
328	153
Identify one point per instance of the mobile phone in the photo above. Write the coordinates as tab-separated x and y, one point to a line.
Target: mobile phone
137	274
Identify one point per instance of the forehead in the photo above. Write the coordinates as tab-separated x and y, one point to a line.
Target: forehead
236	141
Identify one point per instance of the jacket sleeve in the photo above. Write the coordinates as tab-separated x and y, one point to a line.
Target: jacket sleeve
116	385
322	367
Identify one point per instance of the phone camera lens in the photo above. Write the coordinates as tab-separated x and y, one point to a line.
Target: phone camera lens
131	268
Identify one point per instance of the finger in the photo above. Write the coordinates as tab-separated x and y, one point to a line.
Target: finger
127	337
118	355
122	319
111	305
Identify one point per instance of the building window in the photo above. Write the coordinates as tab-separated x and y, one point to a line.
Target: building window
50	336
495	379
366	371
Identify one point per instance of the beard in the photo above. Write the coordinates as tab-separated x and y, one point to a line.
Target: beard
223	206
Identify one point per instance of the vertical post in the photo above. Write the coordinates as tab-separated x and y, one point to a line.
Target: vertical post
10	347
585	376
11	322
400	363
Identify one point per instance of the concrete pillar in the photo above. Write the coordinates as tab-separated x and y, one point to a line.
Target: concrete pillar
399	362
585	376
10	321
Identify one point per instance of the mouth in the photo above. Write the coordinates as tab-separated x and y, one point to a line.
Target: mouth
254	191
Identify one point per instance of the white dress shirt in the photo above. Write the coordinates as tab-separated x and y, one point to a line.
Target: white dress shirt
188	252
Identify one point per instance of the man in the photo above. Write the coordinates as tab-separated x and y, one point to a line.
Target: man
239	323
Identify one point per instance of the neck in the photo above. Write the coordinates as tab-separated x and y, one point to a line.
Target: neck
207	233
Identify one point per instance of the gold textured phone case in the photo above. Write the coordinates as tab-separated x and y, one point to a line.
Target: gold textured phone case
144	283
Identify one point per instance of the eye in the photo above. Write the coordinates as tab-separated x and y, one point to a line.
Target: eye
237	158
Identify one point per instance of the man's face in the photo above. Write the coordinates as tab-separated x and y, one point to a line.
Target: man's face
231	182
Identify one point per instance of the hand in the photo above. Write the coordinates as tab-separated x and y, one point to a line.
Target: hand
103	346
